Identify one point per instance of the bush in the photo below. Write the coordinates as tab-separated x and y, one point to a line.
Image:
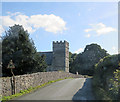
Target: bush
104	76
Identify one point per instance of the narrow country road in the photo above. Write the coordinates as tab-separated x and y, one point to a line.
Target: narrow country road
68	89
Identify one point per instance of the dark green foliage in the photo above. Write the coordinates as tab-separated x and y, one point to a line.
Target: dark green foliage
105	76
72	57
0	58
84	62
17	45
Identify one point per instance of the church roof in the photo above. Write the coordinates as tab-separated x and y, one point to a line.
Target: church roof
49	57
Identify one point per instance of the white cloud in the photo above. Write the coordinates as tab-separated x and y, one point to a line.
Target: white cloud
79	50
50	23
87	35
88	30
100	29
7	21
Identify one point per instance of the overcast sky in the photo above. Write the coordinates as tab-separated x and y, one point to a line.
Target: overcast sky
79	23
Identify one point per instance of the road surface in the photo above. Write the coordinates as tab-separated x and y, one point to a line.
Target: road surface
68	89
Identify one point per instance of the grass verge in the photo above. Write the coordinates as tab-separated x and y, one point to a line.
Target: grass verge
101	94
31	89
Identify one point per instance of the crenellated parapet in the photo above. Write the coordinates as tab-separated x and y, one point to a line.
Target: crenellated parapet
60	42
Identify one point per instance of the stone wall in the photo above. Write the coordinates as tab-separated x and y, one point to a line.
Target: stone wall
31	80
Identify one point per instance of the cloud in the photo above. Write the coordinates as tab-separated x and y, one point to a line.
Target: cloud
88	35
88	30
50	23
100	29
79	50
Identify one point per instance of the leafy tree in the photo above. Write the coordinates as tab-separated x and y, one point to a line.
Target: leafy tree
84	62
116	82
17	45
107	76
72	57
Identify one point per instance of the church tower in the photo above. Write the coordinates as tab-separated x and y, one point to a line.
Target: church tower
60	56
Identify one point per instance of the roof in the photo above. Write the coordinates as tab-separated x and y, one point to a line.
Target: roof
49	57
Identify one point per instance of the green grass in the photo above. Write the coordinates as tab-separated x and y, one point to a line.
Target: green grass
87	76
101	94
31	89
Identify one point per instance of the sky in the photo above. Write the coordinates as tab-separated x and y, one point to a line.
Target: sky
79	23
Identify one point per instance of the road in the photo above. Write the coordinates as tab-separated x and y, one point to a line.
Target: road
68	89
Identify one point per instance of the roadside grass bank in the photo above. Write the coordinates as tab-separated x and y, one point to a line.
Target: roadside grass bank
106	79
87	76
29	90
101	94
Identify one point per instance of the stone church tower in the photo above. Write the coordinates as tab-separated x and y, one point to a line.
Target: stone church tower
61	56
58	59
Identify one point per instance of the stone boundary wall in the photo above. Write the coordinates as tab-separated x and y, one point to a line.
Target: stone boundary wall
32	80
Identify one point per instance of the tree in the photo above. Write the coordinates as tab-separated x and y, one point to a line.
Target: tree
72	57
17	45
84	62
107	76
